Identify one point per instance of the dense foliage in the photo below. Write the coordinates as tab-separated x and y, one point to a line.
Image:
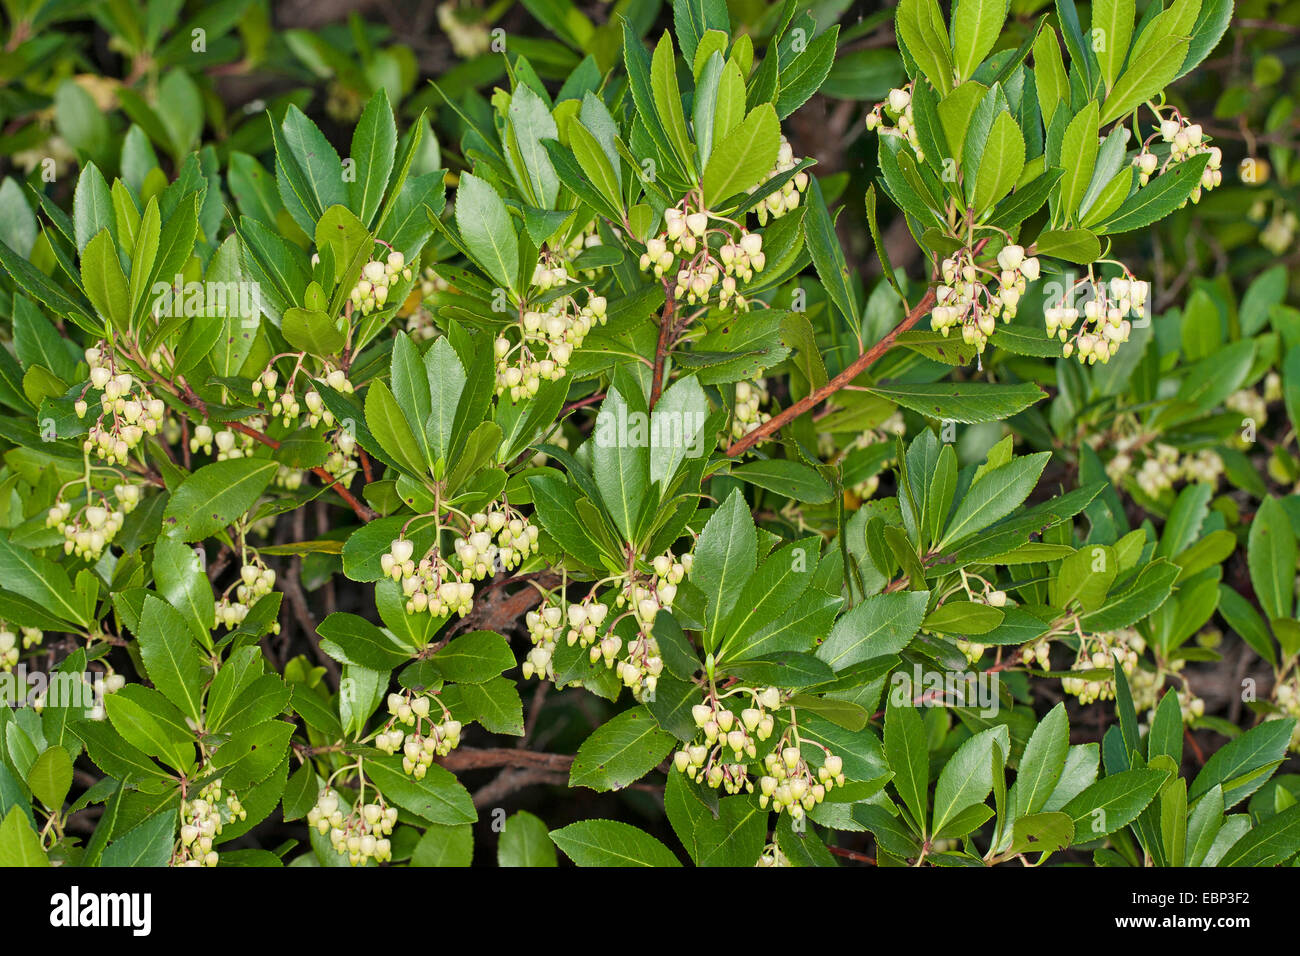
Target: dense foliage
732	433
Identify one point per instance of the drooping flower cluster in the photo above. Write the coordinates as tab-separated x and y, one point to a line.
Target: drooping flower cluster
201	822
1191	706
94	526
729	739
362	835
469	38
787	198
685	243
1287	697
377	278
8	649
1185	140
1162	466
548	337
256	581
543	624
128	410
342	458
284	402
32	637
1105	325
227	442
499	539
555	266
419	323
640	669
747	416
580	622
1278	234
898	108
432	585
1099	652
585	620
772	856
790	784
1250	404
426	739
968	296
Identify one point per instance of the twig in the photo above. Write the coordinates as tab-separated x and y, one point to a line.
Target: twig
479	758
856	368
666	321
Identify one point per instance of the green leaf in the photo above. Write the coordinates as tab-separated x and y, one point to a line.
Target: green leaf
790	479
621	457
1148	73
668	100
995	495
880	625
620	752
105	284
1270	843
374	143
309	173
50	777
908	755
147	844
1157	199
180	577
963	618
741	159
43	582
525	842
802	76
386	421
1078	157
354	640
1084	578
1042	763
735	837
1046	832
493	703
1113	802
444	845
147	720
486	228
725	555
1271	556
966	402
599	169
530	123
610	843
1114	18
1003	158
19	844
975	28
438	797
215	495
920	26
1239	765
967	777
170	657
777	584
475	657
828	255
1073	245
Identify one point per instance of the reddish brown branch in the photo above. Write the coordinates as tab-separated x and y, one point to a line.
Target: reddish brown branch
470	758
852	371
666	322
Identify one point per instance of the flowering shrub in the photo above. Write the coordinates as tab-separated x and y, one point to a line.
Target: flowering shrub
320	450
